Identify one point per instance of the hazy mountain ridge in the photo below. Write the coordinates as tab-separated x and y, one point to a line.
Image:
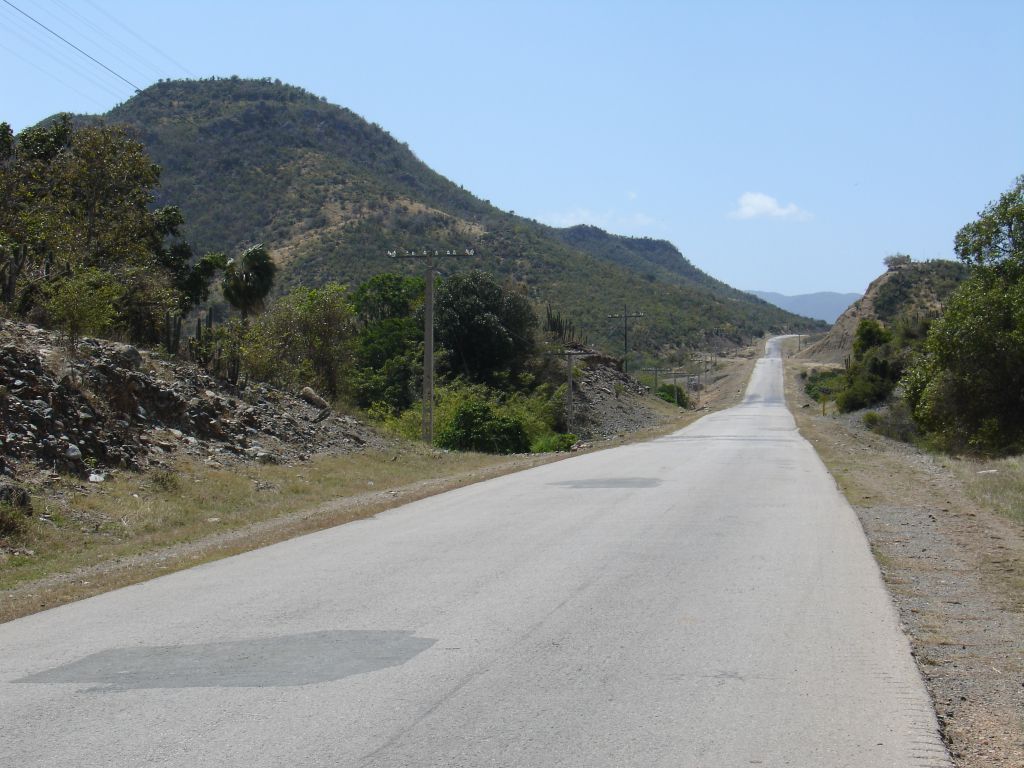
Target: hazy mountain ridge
823	305
330	194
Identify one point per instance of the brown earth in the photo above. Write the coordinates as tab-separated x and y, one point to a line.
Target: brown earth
954	567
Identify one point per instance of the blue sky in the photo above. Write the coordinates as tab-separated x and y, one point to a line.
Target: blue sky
786	146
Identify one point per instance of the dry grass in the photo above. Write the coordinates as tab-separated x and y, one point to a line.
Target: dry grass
996	484
85	540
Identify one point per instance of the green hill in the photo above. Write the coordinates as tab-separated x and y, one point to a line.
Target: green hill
330	194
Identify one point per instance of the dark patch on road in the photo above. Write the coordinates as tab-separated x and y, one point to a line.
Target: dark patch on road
611	482
313	657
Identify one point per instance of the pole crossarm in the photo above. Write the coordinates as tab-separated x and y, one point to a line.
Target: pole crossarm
429	254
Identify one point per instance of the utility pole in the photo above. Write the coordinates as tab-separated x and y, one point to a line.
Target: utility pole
428	329
673	372
568	355
625	332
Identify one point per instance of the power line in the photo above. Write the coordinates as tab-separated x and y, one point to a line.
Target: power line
51	75
141	39
108	44
42	43
65	40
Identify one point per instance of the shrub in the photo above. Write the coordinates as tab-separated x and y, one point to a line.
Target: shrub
83	303
12	521
475	425
673	393
823	385
556	441
871	420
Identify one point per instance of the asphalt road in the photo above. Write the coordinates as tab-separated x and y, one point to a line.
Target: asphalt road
705	599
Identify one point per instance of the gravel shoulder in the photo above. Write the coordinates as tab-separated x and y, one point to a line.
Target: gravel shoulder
955	570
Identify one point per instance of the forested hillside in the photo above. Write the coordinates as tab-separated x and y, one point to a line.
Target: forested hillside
330	194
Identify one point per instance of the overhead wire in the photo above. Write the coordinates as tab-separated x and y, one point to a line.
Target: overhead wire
46	46
52	76
141	39
106	40
68	42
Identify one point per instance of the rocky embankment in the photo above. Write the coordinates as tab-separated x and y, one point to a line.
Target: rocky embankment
112	406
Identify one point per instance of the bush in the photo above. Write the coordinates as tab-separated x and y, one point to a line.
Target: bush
83	303
304	339
823	385
556	441
673	393
862	391
12	521
871	419
475	425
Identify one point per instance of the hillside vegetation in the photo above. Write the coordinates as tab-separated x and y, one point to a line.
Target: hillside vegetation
330	195
941	344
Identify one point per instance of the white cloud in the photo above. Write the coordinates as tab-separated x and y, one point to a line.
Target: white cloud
754	205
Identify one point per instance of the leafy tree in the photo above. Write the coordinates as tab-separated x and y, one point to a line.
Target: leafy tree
488	330
967	388
388	296
81	198
897	261
389	349
248	280
303	339
869	334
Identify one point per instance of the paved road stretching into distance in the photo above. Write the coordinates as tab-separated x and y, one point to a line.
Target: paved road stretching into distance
705	599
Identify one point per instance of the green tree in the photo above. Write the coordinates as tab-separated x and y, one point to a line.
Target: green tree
304	338
248	280
966	388
389	348
488	329
81	198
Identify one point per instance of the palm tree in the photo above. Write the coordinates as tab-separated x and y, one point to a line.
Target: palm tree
248	280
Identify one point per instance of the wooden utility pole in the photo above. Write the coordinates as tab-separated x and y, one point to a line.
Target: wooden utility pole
626	316
427	427
568	355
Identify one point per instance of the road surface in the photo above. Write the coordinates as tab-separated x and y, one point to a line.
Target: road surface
705	599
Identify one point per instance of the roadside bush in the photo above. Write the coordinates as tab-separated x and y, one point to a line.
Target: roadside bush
13	521
896	423
553	443
305	338
871	420
823	385
474	424
673	393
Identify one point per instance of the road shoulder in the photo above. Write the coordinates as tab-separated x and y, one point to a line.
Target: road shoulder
954	569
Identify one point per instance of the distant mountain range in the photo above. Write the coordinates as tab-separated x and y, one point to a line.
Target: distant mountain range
331	194
826	305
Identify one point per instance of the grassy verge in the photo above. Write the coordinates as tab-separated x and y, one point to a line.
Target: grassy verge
87	540
997	484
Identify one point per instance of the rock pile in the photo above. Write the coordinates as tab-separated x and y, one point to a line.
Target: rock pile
111	405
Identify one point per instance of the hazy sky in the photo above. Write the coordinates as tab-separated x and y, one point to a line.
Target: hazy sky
785	146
